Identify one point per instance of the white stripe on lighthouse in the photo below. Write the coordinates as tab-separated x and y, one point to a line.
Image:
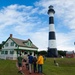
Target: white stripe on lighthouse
52	44
51	14
51	27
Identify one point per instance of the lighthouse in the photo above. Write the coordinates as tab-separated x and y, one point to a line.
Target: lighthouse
52	48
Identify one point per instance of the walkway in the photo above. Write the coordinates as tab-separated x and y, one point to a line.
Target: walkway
26	72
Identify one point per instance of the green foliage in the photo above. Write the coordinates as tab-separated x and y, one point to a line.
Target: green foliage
0	46
62	53
42	52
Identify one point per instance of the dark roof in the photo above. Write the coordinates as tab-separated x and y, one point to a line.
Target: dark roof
22	42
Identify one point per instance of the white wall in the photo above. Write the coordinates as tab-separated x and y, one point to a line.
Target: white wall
9	45
8	48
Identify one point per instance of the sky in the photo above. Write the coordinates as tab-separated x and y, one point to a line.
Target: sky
28	19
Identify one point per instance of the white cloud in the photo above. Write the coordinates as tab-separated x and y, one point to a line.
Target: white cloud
17	19
17	16
24	21
40	39
65	41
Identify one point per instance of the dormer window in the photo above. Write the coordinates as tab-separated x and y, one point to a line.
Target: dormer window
6	45
12	43
29	43
16	45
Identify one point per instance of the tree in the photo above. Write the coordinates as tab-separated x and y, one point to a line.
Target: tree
0	46
62	53
43	52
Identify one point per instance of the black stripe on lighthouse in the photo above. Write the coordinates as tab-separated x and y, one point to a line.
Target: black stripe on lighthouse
52	36
51	20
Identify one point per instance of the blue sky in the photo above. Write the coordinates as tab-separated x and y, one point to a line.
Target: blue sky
29	19
23	2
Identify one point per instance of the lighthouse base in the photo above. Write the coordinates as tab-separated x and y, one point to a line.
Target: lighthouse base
52	52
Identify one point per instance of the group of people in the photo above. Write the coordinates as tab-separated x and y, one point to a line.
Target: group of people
32	63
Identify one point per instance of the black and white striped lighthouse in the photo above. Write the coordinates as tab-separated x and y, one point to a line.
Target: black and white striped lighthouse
52	49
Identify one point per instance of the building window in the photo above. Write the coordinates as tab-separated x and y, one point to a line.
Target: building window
18	52
16	45
6	52
11	52
3	46
6	45
2	52
29	44
12	43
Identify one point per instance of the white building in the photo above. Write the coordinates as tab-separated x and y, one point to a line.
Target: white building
13	46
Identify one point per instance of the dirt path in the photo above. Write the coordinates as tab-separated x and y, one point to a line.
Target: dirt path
26	72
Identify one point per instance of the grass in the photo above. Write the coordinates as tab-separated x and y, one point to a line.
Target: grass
8	67
66	67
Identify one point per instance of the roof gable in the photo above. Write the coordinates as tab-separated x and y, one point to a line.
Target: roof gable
8	40
22	43
28	43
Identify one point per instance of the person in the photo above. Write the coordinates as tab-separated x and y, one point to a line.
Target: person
25	59
19	63
55	63
27	62
30	58
44	58
40	63
34	63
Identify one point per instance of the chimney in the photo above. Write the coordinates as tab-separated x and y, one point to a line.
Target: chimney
11	35
28	39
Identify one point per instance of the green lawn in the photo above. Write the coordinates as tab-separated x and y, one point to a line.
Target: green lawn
66	67
8	67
